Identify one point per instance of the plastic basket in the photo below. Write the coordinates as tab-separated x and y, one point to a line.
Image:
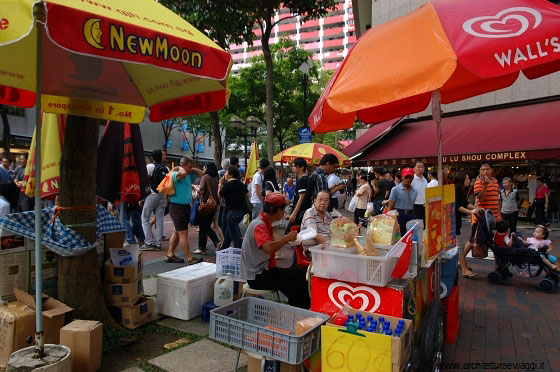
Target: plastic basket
372	270
228	261
244	323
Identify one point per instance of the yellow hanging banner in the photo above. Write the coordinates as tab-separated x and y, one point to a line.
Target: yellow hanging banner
93	109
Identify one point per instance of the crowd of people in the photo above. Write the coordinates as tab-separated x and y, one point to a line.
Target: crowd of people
309	199
12	198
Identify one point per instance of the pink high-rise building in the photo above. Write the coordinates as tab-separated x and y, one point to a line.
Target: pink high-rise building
328	38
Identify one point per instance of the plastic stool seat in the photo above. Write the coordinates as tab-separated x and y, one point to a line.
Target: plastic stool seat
260	292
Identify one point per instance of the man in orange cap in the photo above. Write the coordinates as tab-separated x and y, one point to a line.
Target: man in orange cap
258	263
402	199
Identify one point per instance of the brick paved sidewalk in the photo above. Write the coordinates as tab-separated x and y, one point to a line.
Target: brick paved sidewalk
509	322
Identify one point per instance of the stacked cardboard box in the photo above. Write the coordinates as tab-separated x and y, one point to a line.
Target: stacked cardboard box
18	322
49	263
14	266
124	294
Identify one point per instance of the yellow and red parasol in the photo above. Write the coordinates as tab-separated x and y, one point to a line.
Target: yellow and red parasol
312	153
109	60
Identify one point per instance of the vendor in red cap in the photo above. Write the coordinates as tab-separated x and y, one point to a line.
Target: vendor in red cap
258	263
402	199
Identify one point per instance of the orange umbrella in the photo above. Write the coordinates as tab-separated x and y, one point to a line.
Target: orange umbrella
461	48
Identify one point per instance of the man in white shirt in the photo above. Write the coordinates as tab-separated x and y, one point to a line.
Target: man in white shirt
419	184
334	183
256	189
432	175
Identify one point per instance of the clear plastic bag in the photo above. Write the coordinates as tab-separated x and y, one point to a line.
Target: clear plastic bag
381	229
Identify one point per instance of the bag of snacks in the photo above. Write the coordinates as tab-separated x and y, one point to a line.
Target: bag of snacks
381	229
343	231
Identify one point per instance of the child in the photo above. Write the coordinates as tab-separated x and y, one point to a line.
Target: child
540	243
501	236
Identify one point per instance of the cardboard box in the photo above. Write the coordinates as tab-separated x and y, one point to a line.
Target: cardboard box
400	348
254	365
53	314
123	274
84	338
113	240
18	323
14	272
123	294
49	262
10	241
134	316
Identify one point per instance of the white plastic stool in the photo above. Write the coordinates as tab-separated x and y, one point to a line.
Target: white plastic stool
260	292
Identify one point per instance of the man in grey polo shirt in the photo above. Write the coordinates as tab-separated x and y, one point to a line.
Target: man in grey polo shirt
510	204
402	199
258	251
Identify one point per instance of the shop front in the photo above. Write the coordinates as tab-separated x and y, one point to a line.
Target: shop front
521	142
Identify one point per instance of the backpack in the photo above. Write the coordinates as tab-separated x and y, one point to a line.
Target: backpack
158	175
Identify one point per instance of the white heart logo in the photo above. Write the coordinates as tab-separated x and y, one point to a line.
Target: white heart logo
485	26
341	293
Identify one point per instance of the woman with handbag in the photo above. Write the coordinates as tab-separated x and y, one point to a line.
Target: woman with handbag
233	191
208	191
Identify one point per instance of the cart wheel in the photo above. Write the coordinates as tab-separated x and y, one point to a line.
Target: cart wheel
547	285
431	343
494	277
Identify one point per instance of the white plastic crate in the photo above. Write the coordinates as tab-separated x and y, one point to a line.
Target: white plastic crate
372	270
228	261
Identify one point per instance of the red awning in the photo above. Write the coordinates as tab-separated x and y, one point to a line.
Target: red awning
511	134
366	139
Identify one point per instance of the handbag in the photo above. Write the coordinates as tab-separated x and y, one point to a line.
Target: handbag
206	208
353	204
166	186
248	205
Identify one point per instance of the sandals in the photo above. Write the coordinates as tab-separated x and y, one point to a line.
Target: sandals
200	251
194	260
219	245
174	259
471	275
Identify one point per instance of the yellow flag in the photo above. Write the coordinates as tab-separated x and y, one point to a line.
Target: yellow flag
51	150
251	168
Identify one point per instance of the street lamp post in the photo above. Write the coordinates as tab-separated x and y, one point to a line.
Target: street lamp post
240	128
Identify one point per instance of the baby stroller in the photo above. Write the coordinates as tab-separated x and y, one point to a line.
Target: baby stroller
526	259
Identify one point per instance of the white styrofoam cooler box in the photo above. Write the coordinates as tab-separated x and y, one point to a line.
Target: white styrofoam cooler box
182	292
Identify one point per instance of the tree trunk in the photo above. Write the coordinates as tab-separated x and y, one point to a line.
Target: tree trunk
6	132
269	91
219	149
79	279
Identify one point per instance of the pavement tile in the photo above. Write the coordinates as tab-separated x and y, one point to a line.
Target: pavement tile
133	369
194	326
218	358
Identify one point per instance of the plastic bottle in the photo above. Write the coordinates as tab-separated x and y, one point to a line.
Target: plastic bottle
388	332
350	318
401	323
398	332
223	290
373	326
369	320
380	323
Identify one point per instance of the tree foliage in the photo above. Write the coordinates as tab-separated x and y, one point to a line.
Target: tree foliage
232	21
249	92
